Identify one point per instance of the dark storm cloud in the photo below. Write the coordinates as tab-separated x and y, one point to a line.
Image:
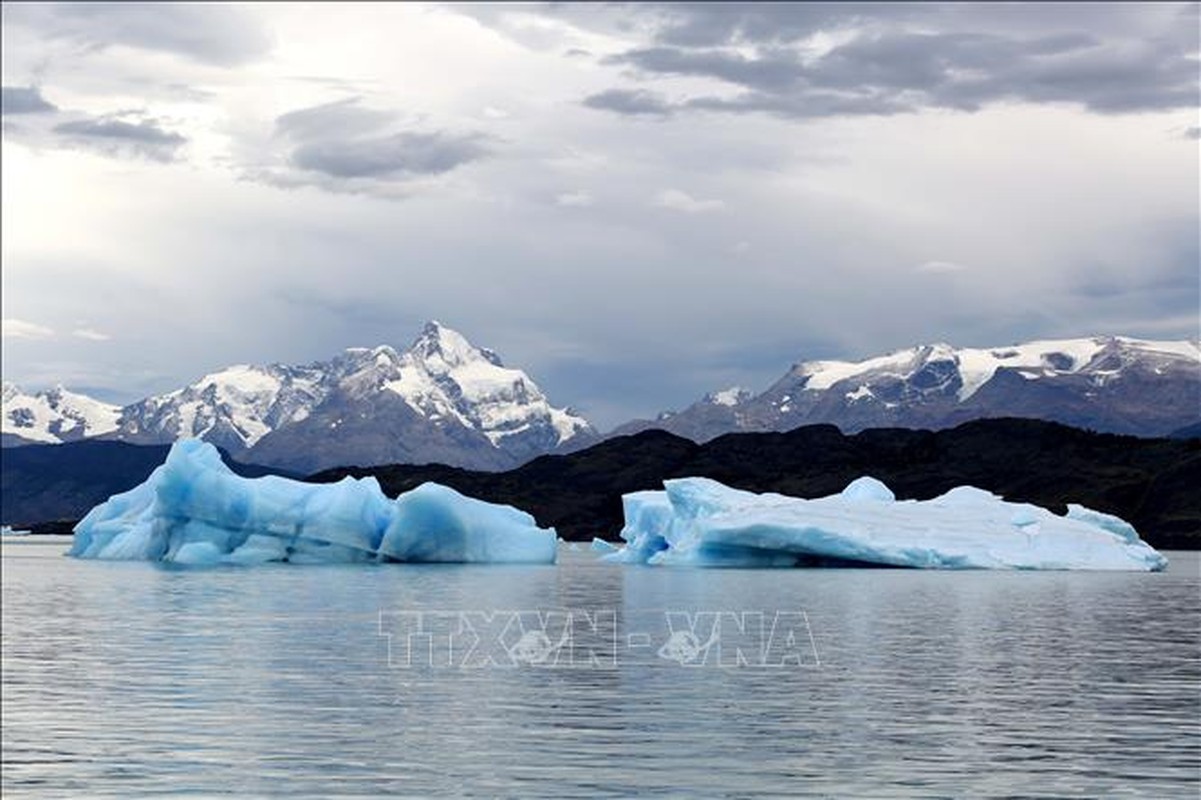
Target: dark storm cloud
344	146
209	33
112	136
908	57
633	102
24	100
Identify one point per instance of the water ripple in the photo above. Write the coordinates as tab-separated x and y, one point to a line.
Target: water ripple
124	680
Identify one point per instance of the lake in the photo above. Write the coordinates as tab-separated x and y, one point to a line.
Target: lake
130	679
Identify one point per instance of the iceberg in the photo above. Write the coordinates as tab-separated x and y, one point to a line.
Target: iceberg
700	522
194	510
599	545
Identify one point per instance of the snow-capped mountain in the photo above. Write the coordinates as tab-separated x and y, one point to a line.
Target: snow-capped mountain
445	400
445	376
1112	383
52	416
442	399
233	408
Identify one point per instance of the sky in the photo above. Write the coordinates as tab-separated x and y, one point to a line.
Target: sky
636	204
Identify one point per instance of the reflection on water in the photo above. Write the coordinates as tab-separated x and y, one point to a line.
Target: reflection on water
127	679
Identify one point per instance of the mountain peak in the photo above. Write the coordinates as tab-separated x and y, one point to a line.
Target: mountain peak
437	343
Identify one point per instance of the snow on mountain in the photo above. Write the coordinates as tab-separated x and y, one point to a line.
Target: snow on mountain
977	366
54	415
461	405
732	396
233	408
444	375
445	400
1112	383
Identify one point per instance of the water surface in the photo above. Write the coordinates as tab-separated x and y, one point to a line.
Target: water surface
129	679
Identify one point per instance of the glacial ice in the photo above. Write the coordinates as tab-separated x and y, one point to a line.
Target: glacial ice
194	510
700	522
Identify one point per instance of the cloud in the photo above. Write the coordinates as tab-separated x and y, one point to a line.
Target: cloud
880	61
841	211
631	102
809	105
677	200
940	267
344	146
124	134
716	24
774	70
24	100
220	35
117	137
346	117
20	329
1192	133
580	199
90	334
397	155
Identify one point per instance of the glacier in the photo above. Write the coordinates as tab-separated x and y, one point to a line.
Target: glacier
194	510
701	522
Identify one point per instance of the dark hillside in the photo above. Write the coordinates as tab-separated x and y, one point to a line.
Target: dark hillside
42	483
1150	482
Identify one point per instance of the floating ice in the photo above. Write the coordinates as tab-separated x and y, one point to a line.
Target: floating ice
700	522
194	510
648	517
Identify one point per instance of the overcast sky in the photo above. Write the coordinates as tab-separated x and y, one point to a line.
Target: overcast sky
635	204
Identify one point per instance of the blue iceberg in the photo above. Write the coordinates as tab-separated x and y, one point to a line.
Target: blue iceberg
700	522
194	510
601	546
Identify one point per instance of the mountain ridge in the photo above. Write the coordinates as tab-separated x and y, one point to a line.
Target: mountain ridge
441	399
444	400
1113	384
